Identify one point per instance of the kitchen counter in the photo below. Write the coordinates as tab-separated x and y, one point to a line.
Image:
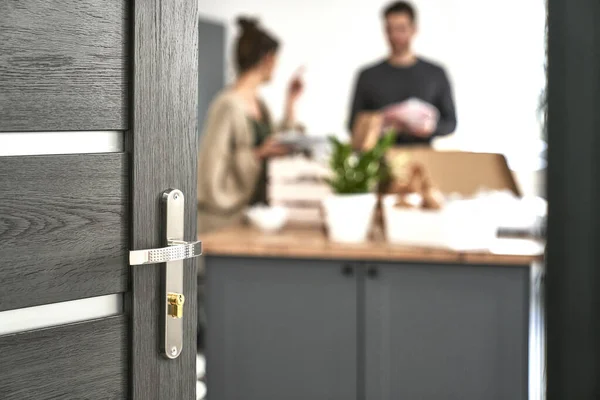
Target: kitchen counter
312	242
293	316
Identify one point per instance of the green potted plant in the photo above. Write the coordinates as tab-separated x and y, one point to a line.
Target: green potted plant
354	181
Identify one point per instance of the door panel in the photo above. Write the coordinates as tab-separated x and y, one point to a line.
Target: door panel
164	151
63	228
280	329
63	65
88	361
447	332
68	222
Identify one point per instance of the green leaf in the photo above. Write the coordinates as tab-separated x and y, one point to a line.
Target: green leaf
355	173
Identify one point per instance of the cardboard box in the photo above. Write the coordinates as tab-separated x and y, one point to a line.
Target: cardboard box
459	172
367	129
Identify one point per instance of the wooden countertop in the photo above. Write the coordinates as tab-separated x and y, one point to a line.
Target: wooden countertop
311	242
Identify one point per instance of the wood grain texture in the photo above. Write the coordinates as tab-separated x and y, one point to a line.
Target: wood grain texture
81	361
573	277
63	228
311	242
165	90
63	65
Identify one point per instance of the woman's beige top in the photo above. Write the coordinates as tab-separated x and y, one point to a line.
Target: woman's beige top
227	167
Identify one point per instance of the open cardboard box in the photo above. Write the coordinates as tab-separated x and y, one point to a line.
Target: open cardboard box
464	227
460	172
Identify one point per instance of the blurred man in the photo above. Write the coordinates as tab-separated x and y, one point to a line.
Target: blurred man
403	76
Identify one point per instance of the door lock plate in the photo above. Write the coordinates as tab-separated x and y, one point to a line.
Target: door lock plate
172	334
174	253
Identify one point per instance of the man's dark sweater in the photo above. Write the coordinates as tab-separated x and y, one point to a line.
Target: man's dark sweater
384	84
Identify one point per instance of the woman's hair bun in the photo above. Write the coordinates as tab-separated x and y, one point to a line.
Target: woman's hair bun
253	44
247	24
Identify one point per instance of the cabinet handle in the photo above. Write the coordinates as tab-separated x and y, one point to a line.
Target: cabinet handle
348	270
372	272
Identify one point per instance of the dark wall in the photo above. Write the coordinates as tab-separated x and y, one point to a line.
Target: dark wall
211	65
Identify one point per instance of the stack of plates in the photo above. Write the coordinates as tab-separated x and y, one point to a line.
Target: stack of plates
297	183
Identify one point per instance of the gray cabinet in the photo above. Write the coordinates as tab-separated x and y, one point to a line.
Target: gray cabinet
280	329
320	330
449	332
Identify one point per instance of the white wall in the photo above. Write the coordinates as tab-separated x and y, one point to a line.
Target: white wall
493	52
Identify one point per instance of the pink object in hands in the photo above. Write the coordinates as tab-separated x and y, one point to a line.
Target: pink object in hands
413	113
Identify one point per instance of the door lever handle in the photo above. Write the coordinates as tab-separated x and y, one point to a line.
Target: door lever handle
172	256
175	251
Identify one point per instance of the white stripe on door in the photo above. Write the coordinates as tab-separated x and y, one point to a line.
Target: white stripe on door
45	143
67	312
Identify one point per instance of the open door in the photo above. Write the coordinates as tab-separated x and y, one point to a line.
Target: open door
98	105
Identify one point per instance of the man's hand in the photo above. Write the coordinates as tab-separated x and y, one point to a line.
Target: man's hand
391	120
424	132
394	124
393	117
424	129
400	118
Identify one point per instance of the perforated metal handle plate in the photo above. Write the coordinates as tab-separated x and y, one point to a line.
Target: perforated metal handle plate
173	252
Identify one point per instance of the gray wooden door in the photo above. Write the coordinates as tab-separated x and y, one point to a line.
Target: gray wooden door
98	103
450	332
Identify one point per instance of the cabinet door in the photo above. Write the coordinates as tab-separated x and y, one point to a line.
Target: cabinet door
446	332
280	329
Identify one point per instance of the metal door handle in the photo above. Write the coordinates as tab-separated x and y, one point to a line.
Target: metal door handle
176	251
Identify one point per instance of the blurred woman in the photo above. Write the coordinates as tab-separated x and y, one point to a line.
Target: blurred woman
238	137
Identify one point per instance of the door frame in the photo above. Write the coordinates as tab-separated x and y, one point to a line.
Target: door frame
162	142
573	257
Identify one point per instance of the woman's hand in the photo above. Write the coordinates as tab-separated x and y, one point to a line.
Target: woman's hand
295	87
271	148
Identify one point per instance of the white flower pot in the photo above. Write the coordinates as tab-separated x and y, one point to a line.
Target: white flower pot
348	217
